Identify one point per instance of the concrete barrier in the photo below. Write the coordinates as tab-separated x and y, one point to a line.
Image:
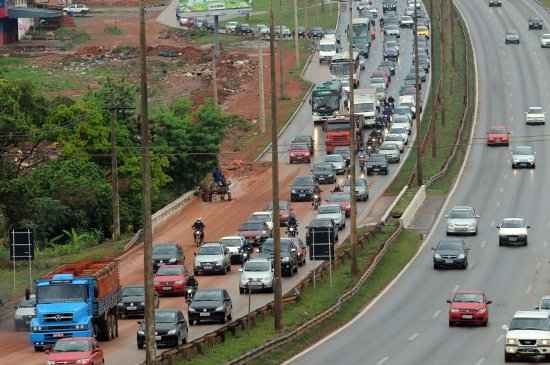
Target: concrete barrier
410	212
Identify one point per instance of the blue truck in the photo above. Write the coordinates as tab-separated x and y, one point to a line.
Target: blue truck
76	300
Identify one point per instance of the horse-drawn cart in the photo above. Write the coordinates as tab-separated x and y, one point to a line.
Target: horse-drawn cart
209	192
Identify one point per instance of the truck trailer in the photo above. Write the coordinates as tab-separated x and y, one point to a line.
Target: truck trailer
77	300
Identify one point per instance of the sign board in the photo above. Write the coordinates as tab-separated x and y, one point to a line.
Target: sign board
321	248
191	8
21	244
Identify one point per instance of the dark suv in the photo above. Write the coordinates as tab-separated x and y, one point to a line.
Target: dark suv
377	163
167	254
450	252
170	329
289	254
243	29
535	23
324	173
304	188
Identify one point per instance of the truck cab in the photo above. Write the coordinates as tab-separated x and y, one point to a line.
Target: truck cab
338	131
365	103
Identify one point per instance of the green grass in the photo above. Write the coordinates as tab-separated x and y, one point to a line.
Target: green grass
42	264
113	30
71	37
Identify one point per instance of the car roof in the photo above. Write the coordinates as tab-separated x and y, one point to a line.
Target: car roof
231	238
512	219
259	258
469	291
532	314
451	240
462	207
211	244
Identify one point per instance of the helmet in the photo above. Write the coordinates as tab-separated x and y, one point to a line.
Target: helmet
199	219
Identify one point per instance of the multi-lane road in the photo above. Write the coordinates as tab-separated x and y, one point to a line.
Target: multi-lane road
409	324
250	194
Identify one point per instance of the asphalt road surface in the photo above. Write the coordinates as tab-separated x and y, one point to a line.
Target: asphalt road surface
250	194
409	324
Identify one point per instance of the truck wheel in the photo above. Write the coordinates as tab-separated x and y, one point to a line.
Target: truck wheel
38	348
140	345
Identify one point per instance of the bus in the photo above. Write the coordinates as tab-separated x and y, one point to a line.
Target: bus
360	27
340	68
326	100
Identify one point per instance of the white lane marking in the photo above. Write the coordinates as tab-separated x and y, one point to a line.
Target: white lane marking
483	244
436	314
538	266
498	204
413	336
529	288
382	360
480	361
499	338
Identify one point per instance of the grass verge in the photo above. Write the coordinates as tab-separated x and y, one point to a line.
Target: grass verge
315	300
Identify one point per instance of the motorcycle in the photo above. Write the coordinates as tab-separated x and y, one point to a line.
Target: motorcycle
316	201
292	231
190	293
198	235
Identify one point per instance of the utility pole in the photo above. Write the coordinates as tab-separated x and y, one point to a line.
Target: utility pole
215	59
442	65
261	89
305	15
296	40
278	290
282	94
114	178
452	32
353	229
150	342
419	176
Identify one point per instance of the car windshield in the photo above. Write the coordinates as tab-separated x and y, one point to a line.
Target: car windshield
327	47
545	304
208	295
164	250
523	150
257	266
512	223
377	80
329	209
338	197
231	242
334	158
133	291
303	180
461	213
364	107
422	28
535	110
252	226
210	250
402	110
299	147
498	130
165	317
72	346
395	138
322	170
468	298
536	324
260	218
398	131
303	139
169	271
450	245
387	147
546	36
323	165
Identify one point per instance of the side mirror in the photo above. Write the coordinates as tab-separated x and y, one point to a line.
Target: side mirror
528	226
489	302
498	226
449	301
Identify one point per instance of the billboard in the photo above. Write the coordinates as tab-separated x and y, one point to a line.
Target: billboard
190	8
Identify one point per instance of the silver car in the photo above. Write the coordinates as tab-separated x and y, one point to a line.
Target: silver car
523	156
24	313
361	188
338	162
212	257
334	212
462	220
391	151
256	274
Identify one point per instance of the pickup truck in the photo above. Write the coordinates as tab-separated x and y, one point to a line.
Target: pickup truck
528	335
76	9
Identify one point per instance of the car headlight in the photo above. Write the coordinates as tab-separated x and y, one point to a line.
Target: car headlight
545	342
451	225
83	361
179	282
472	225
454	310
461	256
120	304
219	309
172	260
482	310
267	280
264	232
141	332
437	256
80	326
36	328
286	259
172	332
51	362
142	303
511	341
293	191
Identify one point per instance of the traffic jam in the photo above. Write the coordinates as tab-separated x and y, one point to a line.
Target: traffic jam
77	305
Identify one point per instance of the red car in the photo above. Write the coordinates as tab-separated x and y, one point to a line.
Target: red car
171	279
284	211
469	307
498	136
76	350
344	199
299	153
255	233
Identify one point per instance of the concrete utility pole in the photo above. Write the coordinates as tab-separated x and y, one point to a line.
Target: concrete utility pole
261	89
277	290
296	36
419	176
114	178
353	229
150	342
215	59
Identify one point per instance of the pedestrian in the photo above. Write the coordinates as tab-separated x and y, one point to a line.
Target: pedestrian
372	35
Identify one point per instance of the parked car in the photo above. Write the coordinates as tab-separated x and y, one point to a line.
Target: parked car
210	305
76	350
239	248
255	233
170	329
243	29
167	253
469	307
256	275
304	188
282	31
76	9
450	253
212	257
289	255
24	313
132	301
231	27
170	279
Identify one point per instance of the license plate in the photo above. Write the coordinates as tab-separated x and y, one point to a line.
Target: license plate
131	308
302	195
158	338
467	316
512	238
376	169
204	314
208	267
166	288
448	261
58	335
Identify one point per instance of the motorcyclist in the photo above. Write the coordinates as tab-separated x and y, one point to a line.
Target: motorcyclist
199	226
292	222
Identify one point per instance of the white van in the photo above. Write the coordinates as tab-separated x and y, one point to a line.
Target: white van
327	48
365	103
410	101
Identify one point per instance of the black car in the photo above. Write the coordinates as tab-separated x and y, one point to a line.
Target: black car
324	173
132	301
244	29
210	305
316	32
170	329
391	54
535	23
495	3
289	255
167	254
301	32
450	252
377	163
304	188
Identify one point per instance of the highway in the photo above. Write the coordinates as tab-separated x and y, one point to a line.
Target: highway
409	324
250	194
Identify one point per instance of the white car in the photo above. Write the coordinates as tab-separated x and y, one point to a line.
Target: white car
256	274
238	248
334	212
535	115
79	9
512	231
397	139
545	40
231	27
523	156
403	132
528	335
338	162
264	216
391	151
406	21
